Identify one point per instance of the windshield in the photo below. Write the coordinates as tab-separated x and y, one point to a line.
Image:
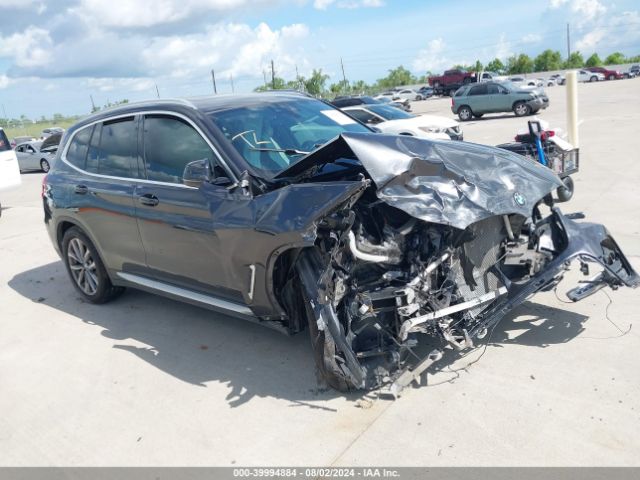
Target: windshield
271	136
388	112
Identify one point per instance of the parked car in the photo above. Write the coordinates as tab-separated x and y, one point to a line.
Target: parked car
390	95
607	73
487	76
31	156
391	120
404	105
492	97
517	80
588	76
408	94
558	78
47	132
341	102
19	140
635	69
426	91
9	169
280	209
450	81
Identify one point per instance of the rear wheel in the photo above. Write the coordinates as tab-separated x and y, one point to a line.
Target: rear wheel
521	109
44	165
464	113
593	79
565	193
85	268
612	77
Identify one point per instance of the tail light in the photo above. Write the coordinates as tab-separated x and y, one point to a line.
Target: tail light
44	186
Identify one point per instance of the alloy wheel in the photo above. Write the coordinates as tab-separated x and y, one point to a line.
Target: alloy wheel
82	266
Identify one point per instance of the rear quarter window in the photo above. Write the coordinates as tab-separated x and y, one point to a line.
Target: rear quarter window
4	142
77	151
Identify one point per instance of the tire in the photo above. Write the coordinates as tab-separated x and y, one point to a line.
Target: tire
521	109
612	77
593	79
452	92
566	193
44	165
86	269
464	113
418	98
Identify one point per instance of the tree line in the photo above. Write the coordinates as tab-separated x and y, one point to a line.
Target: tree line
317	83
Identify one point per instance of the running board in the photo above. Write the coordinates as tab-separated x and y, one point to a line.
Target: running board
183	293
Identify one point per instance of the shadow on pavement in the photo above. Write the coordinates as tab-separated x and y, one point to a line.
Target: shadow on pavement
198	346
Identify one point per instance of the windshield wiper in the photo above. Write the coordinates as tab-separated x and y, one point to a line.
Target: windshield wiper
286	151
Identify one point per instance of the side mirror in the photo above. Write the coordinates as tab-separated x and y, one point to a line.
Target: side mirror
196	172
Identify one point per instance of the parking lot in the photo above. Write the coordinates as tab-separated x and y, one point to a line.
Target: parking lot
149	381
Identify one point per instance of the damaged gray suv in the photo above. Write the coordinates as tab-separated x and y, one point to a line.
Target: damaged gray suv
280	209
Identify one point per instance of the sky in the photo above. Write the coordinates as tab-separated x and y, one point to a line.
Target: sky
55	55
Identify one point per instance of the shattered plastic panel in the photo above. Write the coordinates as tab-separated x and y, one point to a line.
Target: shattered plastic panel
450	183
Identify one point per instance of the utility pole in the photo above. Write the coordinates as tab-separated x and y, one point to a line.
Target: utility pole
273	76
568	42
4	113
231	78
344	78
213	79
157	91
93	105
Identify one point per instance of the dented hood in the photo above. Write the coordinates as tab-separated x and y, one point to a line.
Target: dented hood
451	183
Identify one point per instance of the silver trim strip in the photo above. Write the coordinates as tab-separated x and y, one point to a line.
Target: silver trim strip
184	293
252	282
63	155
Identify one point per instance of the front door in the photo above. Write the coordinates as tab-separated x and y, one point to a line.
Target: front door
177	222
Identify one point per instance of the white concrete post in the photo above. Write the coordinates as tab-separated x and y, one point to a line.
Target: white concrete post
572	107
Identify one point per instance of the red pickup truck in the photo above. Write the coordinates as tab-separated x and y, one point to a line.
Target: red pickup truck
608	74
450	81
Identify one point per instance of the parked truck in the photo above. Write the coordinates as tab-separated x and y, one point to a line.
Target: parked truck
450	81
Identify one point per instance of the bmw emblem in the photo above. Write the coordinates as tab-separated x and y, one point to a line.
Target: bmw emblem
519	199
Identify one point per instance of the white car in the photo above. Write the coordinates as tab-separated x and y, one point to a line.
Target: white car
492	77
408	94
587	76
387	96
32	157
9	169
392	120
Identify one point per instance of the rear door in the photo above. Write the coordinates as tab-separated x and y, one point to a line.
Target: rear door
177	222
9	170
478	98
100	189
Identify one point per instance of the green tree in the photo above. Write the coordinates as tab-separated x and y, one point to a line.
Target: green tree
278	83
593	61
315	84
396	77
341	87
548	60
495	65
360	87
57	118
520	64
575	60
615	59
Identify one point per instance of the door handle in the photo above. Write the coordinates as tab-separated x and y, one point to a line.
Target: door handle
81	189
148	199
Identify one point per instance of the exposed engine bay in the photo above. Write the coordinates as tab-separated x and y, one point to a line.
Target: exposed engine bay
387	292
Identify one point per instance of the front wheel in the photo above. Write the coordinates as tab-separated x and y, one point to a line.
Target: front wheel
593	79
87	272
565	193
521	109
44	165
464	113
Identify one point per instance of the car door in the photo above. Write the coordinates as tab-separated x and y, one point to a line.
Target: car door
500	98
478	98
100	190
176	221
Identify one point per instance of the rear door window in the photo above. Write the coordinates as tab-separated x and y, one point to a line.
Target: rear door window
170	143
77	152
478	90
113	149
363	115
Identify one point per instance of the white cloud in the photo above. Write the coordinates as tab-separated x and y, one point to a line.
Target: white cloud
131	84
349	4
29	48
590	40
432	57
531	38
147	13
611	33
4	81
586	9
